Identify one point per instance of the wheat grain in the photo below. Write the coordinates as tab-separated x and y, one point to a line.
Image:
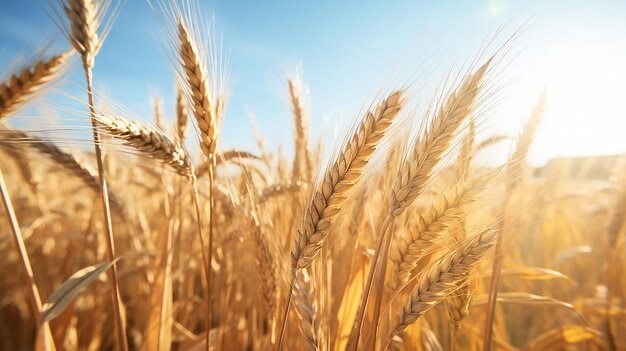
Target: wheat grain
31	79
440	279
182	116
447	212
340	177
204	108
414	173
301	161
307	310
149	142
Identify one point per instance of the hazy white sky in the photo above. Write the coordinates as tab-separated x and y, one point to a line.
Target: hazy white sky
348	49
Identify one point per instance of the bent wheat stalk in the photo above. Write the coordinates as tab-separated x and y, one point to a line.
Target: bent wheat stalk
340	177
27	270
66	160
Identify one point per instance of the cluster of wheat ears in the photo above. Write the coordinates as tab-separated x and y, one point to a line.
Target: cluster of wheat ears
400	240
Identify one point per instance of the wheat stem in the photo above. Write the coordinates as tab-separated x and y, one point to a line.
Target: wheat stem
117	301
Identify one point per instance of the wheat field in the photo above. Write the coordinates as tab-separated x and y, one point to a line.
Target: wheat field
152	236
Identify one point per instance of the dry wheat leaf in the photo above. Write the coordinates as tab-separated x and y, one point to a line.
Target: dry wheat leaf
524	298
61	297
533	273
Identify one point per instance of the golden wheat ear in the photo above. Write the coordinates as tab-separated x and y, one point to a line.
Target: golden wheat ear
85	24
202	91
440	279
151	143
28	81
340	177
182	115
415	171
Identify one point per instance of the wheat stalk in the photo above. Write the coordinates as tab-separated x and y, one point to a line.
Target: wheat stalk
265	266
15	90
206	113
85	18
457	305
27	269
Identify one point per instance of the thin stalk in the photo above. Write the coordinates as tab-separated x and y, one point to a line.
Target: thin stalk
210	255
27	270
370	279
453	333
206	265
166	262
283	326
117	302
493	287
381	285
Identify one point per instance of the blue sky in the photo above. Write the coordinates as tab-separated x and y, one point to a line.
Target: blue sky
348	49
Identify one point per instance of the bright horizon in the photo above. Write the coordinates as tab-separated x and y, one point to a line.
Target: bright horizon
573	49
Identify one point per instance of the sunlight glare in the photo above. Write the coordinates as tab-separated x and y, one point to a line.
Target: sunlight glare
585	89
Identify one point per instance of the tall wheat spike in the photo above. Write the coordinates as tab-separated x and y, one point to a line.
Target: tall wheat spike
340	177
85	19
414	172
206	113
204	109
31	79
